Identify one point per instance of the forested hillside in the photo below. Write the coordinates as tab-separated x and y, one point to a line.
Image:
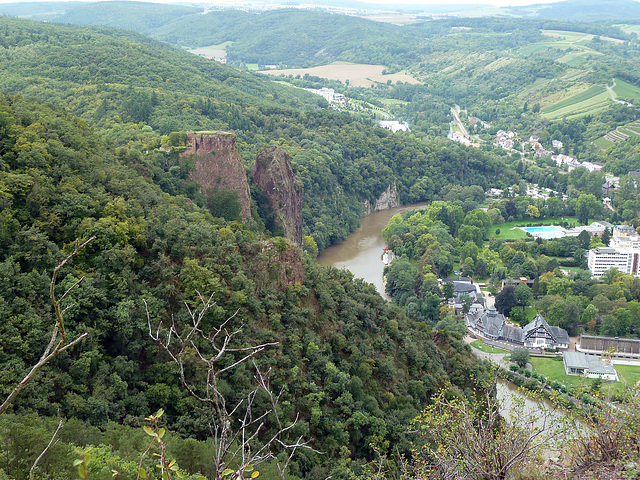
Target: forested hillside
60	182
153	89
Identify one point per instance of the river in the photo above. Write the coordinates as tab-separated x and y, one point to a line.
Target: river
361	252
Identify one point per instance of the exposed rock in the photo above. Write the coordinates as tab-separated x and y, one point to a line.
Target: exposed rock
272	173
218	165
277	265
387	200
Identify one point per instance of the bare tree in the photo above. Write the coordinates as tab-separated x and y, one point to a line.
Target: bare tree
479	440
235	426
58	342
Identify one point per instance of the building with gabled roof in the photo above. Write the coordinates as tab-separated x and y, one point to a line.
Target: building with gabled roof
538	334
589	366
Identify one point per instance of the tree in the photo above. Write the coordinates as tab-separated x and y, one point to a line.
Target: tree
506	300
583	213
58	342
470	438
523	294
520	356
447	290
237	426
584	239
606	237
533	211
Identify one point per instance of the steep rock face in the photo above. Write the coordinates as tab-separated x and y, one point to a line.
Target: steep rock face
278	264
218	165
388	199
272	173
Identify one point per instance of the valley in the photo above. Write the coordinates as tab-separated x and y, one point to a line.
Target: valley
225	165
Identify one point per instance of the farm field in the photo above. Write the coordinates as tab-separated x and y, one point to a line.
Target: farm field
212	50
590	101
626	90
359	75
618	135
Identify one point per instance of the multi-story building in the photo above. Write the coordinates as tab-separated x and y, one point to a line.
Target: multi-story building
623	253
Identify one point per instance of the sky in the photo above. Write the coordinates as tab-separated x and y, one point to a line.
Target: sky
498	3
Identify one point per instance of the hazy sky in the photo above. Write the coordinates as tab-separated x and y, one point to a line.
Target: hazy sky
498	3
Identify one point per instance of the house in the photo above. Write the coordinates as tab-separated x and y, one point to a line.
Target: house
476	298
539	334
589	366
556	144
536	335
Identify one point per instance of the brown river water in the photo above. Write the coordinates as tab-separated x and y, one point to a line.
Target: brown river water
361	252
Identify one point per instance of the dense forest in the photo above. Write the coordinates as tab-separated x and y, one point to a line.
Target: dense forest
93	121
60	182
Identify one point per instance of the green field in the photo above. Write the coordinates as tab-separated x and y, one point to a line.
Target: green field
553	369
626	90
480	345
618	135
507	230
591	100
628	374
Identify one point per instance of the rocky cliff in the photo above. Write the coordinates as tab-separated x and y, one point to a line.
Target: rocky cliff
272	173
218	166
388	199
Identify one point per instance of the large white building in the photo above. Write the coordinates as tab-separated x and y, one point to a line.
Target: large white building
623	253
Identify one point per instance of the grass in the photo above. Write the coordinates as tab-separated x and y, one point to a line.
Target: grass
626	90
588	94
480	345
507	233
529	313
553	369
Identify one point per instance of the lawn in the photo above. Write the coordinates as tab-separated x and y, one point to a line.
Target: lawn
480	345
628	374
506	231
553	369
529	313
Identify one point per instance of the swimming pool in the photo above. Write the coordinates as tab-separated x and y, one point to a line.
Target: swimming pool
549	231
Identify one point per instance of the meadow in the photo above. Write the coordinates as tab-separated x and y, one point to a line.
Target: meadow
358	75
588	102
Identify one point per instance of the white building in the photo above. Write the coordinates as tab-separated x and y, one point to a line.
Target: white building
622	253
589	366
602	259
396	126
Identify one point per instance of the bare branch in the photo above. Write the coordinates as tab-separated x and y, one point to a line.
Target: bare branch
58	341
52	442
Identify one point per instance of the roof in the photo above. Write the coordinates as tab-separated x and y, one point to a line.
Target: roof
591	363
461	287
458	279
512	333
625	228
560	335
492	321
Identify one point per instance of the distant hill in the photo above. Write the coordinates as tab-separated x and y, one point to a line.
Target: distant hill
584	11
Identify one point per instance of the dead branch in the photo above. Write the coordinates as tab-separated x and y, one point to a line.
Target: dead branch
58	342
235	428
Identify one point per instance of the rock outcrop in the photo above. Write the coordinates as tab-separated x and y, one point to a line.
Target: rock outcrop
388	199
272	173
218	166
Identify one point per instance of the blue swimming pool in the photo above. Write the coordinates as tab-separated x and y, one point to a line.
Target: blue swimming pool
548	231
